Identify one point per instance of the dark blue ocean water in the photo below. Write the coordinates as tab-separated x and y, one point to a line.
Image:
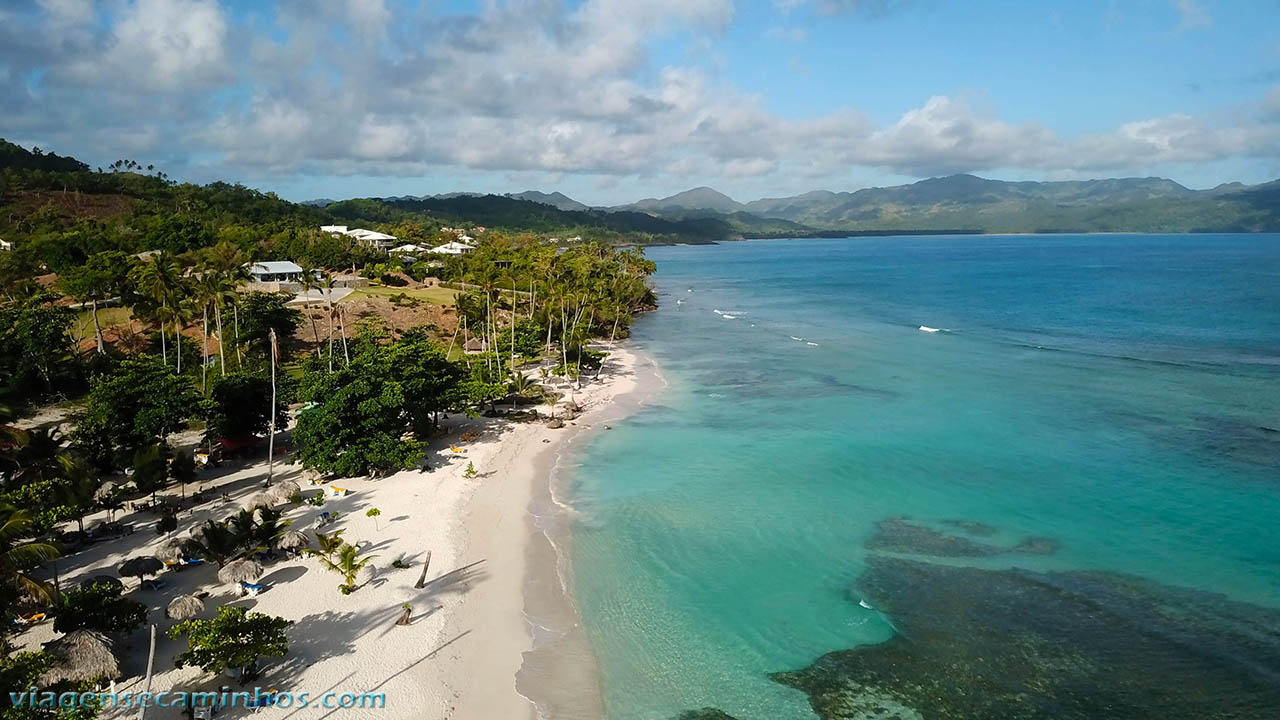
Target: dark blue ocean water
1116	395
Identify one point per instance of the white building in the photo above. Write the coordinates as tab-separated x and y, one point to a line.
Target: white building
409	249
5	244
275	271
453	248
375	240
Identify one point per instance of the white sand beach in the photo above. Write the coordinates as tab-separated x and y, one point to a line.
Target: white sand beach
460	655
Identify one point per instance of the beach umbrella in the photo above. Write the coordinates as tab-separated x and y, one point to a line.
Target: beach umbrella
171	551
240	571
183	607
293	540
141	565
281	492
258	500
83	656
102	580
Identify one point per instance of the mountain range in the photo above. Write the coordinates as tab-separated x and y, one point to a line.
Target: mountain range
978	204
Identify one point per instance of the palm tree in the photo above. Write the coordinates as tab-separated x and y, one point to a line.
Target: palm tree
78	489
326	282
328	544
206	287
17	556
307	283
160	283
347	562
217	542
232	267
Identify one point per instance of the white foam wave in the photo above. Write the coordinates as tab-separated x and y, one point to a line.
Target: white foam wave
926	328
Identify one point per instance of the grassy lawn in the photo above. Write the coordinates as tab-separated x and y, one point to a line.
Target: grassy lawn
82	328
434	295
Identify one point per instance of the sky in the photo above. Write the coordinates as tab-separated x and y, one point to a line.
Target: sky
609	101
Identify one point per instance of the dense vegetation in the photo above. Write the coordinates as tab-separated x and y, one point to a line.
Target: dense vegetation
197	347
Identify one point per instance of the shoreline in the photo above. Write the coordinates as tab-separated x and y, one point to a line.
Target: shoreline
559	673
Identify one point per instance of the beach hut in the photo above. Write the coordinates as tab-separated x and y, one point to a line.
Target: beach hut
282	492
102	580
83	656
293	540
258	500
105	490
240	571
139	566
171	551
184	607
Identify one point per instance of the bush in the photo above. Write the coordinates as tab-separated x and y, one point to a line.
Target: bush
168	523
317	499
99	607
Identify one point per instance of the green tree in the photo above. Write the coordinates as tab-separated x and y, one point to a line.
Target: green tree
20	672
150	470
373	513
36	354
77	488
358	419
137	404
236	638
19	555
257	314
239	405
102	277
100	607
218	542
183	469
161	292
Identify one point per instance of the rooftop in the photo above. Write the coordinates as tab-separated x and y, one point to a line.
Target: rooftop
275	267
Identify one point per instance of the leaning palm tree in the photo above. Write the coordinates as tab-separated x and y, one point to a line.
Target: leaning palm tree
307	283
18	556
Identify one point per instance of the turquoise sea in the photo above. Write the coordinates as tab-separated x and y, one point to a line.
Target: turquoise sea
1073	486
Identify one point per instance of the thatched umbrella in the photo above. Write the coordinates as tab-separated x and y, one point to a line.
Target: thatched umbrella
293	540
102	580
240	571
141	565
183	607
281	493
104	491
258	500
171	551
83	656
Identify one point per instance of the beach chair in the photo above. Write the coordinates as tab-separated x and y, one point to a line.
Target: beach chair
457	449
258	703
29	618
251	589
337	491
154	584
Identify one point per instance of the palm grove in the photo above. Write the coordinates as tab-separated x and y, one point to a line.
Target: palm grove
174	258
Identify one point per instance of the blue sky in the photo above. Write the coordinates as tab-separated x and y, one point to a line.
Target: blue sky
612	100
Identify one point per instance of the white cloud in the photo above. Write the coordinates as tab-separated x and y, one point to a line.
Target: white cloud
156	45
527	88
1192	16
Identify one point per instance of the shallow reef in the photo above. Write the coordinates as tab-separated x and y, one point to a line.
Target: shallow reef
1018	645
901	535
